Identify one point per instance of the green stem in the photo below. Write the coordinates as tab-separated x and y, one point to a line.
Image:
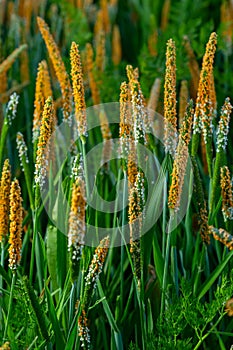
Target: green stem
165	272
208	333
4	132
10	304
32	260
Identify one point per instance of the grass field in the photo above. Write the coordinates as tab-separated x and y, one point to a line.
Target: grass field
116	164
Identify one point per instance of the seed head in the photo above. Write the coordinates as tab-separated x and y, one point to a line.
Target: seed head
16	218
5	198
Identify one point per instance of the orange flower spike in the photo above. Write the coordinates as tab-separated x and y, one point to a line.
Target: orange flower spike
46	130
59	68
4	199
78	89
183	100
204	109
181	157
16	219
116	45
222	236
92	82
226	192
170	119
77	226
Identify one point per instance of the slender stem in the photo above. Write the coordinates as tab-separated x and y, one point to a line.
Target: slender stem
10	303
32	260
122	243
208	333
1	280
165	272
85	168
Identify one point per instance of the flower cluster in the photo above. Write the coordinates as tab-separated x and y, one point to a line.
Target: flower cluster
193	66
139	114
116	45
125	120
78	89
7	63
42	154
77	168
59	68
16	218
77	226
180	162
22	149
83	330
11	109
204	110
223	236
97	262
226	192
170	119
92	82
223	126
154	95
42	92
4	198
204	227
106	135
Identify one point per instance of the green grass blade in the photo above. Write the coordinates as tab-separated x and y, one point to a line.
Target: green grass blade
213	276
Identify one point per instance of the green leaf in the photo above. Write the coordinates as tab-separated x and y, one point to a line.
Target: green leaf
59	340
213	276
52	254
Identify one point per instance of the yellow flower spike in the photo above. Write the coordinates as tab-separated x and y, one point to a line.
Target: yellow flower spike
8	62
3	87
165	14
170	119
100	52
226	15
83	330
47	89
180	162
106	135
42	154
222	236
132	168
135	213
94	270
78	89
92	82
193	67
59	68
4	199
152	43
183	100
204	109
42	92
226	192
140	118
77	226
154	95
223	126
125	131
98	24
213	95
116	45
204	227
97	262
16	219
105	15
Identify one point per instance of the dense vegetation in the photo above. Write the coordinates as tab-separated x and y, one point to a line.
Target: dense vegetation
134	97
